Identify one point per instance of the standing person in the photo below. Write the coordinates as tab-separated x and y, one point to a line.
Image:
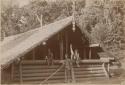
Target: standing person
71	51
47	60
67	69
50	57
76	58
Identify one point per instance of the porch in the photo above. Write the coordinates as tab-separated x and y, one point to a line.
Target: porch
37	71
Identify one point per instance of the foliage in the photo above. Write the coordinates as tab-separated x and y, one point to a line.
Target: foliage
103	23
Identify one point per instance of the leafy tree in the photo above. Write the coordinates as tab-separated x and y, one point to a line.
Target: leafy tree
103	22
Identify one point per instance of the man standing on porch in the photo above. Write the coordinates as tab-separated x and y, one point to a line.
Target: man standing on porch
47	60
50	57
76	57
67	69
72	53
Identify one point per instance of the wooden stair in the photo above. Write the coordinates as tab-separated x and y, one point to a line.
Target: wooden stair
36	72
88	72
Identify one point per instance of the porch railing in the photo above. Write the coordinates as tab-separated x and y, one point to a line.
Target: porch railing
52	74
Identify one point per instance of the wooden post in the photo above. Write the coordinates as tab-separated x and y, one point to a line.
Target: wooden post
12	71
72	74
20	71
66	43
34	54
90	53
65	75
62	50
61	47
84	53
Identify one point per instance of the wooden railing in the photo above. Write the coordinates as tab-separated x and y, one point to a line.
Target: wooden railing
105	67
72	74
52	74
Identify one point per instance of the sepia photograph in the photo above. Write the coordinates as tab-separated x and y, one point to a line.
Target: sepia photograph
62	42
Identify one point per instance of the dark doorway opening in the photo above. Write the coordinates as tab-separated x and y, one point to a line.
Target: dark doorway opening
77	39
59	44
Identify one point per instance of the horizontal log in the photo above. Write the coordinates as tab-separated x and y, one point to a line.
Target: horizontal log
41	74
61	61
87	66
41	78
40	61
86	79
39	71
88	72
48	82
56	81
87	69
40	67
89	75
93	61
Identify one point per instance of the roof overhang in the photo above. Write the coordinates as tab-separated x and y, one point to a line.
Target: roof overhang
25	42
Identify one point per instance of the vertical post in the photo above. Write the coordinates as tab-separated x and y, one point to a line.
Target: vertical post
90	53
61	46
12	71
62	50
84	53
33	54
20	71
72	74
66	43
65	75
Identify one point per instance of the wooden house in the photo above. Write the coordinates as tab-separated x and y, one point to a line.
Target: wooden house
23	55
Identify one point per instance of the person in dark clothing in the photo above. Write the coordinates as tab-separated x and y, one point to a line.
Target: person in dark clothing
47	60
50	57
68	64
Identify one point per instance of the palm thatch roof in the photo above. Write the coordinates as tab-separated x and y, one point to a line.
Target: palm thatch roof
16	46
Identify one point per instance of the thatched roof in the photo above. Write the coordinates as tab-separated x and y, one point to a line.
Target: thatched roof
16	46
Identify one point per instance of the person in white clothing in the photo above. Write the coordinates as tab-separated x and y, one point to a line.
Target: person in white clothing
72	53
76	57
